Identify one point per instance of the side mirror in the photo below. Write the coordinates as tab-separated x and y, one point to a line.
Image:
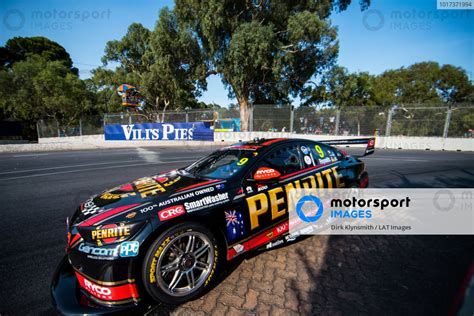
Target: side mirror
264	174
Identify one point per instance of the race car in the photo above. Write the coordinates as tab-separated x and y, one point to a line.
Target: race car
162	238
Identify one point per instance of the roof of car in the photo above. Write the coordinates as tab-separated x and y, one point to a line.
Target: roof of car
258	143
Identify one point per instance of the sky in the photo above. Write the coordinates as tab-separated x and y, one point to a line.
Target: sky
389	35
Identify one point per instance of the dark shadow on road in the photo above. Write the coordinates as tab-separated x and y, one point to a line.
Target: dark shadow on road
387	275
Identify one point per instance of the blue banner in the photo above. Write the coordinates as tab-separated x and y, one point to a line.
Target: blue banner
160	131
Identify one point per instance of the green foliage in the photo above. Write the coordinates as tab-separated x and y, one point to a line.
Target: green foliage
177	73
265	50
19	48
340	88
104	83
129	51
36	88
423	83
165	64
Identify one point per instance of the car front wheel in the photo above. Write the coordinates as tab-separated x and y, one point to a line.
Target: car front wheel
181	263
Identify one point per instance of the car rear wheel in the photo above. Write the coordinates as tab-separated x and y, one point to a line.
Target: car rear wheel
181	263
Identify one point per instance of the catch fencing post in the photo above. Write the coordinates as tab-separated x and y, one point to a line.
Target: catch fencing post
338	118
38	129
389	121
447	121
186	111
292	117
251	118
80	126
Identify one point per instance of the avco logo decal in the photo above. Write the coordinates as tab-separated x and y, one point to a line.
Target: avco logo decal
171	212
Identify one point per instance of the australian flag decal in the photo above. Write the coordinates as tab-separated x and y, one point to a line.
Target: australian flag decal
235	224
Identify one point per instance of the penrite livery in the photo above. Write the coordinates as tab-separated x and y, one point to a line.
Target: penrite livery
164	236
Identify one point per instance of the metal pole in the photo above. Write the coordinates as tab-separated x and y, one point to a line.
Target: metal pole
292	117
251	118
129	118
57	126
338	118
446	123
389	121
187	120
38	129
80	126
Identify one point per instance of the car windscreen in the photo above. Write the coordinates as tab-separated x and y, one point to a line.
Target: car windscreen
221	164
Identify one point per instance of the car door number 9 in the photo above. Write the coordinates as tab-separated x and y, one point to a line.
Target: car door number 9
242	161
320	151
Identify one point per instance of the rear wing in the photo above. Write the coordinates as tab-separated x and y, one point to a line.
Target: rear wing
358	141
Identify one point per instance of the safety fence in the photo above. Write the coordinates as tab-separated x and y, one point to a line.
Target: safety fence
400	120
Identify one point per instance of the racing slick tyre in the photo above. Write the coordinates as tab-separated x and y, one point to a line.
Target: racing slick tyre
181	263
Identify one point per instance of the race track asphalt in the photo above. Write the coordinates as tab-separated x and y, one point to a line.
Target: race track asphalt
39	190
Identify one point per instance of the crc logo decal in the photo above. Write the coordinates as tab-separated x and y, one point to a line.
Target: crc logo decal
265	173
129	249
96	290
309	199
171	212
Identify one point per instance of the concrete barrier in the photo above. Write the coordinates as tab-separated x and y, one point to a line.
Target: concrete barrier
227	138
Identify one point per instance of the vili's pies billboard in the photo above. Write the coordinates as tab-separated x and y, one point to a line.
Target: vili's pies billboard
160	131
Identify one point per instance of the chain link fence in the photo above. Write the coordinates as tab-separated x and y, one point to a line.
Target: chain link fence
408	120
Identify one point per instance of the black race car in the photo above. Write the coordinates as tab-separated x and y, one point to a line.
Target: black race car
163	237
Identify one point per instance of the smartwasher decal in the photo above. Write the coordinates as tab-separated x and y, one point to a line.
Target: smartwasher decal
160	131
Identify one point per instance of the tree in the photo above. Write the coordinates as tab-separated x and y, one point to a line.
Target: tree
104	83
423	83
177	73
454	85
36	88
263	49
340	88
129	52
19	48
165	64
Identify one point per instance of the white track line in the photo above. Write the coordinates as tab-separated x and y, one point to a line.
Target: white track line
91	169
70	166
401	158
29	155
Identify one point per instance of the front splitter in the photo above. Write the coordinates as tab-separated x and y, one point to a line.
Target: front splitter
68	298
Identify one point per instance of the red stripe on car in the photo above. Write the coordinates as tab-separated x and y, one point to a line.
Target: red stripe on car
298	172
305	170
261	239
198	185
108	293
268	142
104	215
74	239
